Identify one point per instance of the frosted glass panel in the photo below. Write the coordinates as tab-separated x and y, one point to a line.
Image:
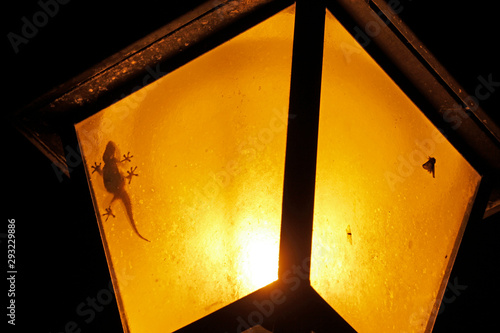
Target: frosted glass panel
385	225
196	163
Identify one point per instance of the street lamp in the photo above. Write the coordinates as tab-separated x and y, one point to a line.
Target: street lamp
276	166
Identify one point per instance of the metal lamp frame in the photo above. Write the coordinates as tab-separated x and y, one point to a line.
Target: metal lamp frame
49	123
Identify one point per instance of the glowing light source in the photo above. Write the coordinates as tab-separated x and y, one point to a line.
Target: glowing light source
209	145
208	141
259	259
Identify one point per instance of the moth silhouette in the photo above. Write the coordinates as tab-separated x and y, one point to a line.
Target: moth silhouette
429	166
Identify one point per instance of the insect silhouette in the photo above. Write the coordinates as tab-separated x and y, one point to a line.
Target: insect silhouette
349	233
429	166
114	181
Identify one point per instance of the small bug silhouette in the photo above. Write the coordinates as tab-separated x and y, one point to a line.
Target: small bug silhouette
349	234
429	166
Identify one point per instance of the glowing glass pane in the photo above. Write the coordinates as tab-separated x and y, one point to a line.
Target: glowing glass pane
208	141
385	230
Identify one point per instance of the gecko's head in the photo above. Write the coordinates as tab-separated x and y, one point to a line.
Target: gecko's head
110	151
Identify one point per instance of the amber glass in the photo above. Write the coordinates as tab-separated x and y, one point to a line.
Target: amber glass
208	141
386	228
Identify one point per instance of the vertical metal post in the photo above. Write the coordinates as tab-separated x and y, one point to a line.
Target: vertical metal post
300	161
302	137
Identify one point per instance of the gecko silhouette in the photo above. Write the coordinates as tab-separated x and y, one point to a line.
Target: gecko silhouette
114	181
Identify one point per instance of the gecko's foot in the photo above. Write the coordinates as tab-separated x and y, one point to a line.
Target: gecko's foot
127	157
108	213
96	167
131	173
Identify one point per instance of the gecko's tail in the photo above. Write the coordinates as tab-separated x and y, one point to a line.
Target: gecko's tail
128	207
